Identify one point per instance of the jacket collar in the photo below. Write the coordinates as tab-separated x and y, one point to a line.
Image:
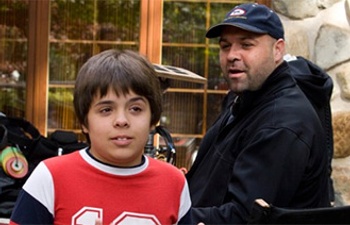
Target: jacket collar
279	79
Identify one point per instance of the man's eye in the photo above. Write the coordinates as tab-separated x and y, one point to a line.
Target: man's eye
246	45
224	46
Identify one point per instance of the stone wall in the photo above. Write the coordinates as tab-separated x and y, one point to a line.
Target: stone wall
319	30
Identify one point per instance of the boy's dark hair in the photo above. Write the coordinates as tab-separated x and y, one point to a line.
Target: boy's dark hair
121	70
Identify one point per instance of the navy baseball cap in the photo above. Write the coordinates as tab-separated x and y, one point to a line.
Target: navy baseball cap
252	17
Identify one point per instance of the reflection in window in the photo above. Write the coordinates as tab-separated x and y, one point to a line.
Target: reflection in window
79	30
184	45
13	56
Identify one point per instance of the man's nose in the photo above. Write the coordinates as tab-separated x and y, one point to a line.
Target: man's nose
233	54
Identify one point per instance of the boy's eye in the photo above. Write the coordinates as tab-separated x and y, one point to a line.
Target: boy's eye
105	110
136	109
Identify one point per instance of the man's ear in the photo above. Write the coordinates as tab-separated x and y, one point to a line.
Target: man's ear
279	50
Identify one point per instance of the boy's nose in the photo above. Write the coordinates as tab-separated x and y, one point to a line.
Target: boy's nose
121	121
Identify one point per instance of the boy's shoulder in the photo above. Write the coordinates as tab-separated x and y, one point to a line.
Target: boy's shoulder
63	160
164	167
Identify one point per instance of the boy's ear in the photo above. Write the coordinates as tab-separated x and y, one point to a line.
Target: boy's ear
84	129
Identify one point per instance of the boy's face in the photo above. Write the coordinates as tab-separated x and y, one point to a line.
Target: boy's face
118	127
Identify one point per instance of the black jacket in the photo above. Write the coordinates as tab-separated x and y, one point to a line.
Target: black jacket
275	149
317	85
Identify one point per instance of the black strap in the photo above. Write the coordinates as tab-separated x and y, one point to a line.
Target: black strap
18	130
171	153
3	137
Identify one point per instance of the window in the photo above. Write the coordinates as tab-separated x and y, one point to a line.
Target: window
13	56
44	43
79	30
191	108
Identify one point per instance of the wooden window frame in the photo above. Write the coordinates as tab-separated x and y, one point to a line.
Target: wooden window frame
37	80
38	53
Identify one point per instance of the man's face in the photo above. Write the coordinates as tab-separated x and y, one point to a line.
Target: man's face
247	58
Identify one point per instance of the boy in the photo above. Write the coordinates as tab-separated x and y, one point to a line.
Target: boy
117	100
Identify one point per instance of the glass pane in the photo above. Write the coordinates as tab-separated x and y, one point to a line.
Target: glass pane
182	113
72	19
216	80
61	110
79	30
214	107
119	20
93	20
184	22
184	45
190	58
13	56
65	61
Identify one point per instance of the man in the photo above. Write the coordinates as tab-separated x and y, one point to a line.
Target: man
268	142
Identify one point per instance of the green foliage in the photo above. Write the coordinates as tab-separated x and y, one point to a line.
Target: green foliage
12	101
184	22
86	25
72	19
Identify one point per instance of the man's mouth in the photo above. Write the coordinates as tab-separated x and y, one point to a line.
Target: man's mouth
235	73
